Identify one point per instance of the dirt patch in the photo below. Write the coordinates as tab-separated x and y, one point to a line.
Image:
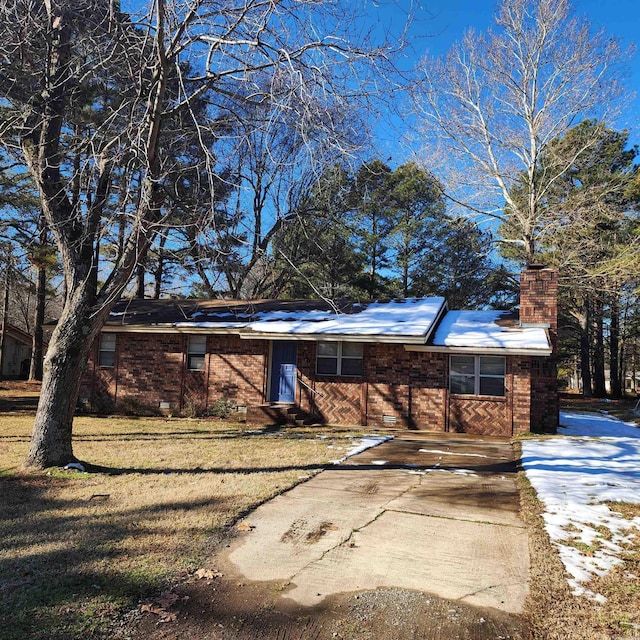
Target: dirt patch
225	609
319	531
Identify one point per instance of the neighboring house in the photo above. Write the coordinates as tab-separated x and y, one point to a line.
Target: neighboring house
410	363
17	353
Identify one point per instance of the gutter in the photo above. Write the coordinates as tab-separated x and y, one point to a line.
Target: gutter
247	334
498	351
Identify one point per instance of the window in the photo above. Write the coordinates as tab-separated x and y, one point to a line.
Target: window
339	359
477	375
196	349
107	352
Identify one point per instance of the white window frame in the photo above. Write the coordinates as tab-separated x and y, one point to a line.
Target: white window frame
340	357
477	376
196	349
107	349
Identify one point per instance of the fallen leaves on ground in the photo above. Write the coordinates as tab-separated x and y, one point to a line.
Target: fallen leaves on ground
207	574
166	600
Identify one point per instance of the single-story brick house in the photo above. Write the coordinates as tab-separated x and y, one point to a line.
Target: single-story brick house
411	363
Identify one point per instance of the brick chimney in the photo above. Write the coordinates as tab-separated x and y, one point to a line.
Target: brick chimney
539	299
539	307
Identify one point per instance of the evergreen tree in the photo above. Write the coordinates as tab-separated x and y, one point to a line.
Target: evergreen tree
456	264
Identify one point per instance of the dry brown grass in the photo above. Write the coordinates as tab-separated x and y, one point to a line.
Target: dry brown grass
80	548
621	409
553	612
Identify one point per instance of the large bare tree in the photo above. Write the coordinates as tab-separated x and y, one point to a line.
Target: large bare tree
99	104
495	102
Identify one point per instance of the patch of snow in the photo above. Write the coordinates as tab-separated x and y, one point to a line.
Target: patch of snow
380	463
480	329
74	466
597	461
458	472
452	453
362	445
596	424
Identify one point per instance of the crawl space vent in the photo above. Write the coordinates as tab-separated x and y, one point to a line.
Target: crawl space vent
389	419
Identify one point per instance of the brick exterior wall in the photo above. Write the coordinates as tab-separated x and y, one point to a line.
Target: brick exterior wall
151	368
539	305
410	386
545	403
480	416
329	399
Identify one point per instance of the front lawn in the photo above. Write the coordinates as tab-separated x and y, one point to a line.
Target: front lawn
584	529
79	549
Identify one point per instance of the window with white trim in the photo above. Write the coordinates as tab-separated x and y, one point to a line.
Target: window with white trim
477	375
196	350
339	359
107	351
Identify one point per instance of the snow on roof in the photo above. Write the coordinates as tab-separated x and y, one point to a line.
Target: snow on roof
410	318
481	329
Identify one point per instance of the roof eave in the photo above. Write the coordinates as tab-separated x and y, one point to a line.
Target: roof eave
332	337
166	328
502	351
248	334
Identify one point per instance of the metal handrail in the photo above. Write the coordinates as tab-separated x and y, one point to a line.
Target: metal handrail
304	384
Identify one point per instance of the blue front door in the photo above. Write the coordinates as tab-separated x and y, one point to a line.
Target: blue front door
283	371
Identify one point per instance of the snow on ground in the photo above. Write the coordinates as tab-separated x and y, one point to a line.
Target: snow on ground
362	445
598	461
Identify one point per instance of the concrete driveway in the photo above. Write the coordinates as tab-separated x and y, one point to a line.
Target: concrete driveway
437	515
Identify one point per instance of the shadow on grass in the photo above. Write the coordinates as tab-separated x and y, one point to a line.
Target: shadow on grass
63	570
197	434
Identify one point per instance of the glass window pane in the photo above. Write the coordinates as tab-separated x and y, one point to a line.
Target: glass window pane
108	342
492	386
462	384
195	362
463	365
352	367
492	365
197	344
328	349
352	349
327	366
107	359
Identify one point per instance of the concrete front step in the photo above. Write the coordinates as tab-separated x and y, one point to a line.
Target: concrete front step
278	413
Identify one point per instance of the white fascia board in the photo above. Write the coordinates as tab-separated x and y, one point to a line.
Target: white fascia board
498	351
331	337
167	328
254	335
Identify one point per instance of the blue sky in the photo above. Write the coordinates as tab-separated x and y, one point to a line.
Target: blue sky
440	23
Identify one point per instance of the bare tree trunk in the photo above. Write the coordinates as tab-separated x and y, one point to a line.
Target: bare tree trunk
405	277
140	271
614	349
5	312
599	386
64	365
37	344
159	270
584	321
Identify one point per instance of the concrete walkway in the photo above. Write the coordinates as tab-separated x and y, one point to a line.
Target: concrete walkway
438	515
